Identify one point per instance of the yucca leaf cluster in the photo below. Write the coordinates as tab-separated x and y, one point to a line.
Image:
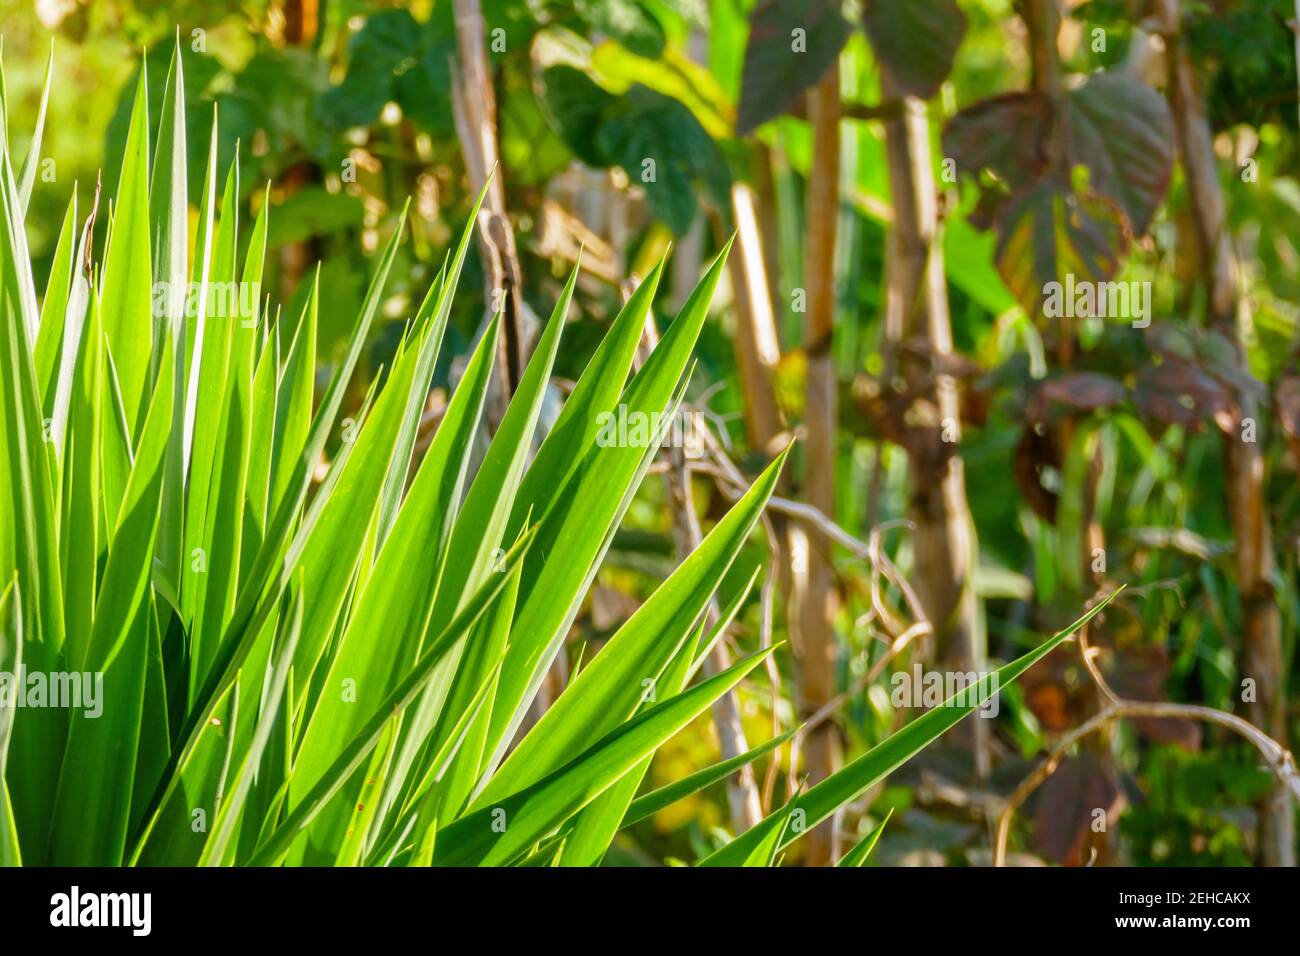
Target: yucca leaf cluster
314	649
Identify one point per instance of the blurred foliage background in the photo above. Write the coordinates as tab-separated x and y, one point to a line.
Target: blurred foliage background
1099	435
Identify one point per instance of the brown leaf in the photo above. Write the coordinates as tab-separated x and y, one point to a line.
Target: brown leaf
1286	403
916	39
1005	135
1067	806
1083	391
1177	392
1121	130
1033	452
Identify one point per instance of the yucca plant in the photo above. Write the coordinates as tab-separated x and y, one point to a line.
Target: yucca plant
334	671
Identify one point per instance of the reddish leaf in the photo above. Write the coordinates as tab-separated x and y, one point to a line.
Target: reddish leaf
1120	129
1138	672
916	39
1084	391
791	45
1068	804
1286	402
1004	135
1047	232
1033	452
1179	393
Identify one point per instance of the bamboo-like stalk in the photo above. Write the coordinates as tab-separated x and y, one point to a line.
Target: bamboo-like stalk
758	349
742	788
817	612
916	304
474	112
1245	467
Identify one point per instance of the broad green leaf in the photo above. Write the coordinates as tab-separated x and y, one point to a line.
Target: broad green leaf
916	40
777	71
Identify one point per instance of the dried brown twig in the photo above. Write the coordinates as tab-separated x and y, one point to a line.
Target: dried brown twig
1278	757
718	466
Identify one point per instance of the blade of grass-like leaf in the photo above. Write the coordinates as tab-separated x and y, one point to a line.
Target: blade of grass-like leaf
115	450
224	517
382	638
365	809
594	828
11	662
27	176
72	327
261	444
421	811
609	689
279	843
339	522
155	734
49	337
20	283
665	796
280	554
169	228
579	525
529	815
293	403
862	851
595	825
478	533
30	543
768	836
851	781
597	390
95	781
81	505
430	322
195	332
217	849
210	370
126	301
